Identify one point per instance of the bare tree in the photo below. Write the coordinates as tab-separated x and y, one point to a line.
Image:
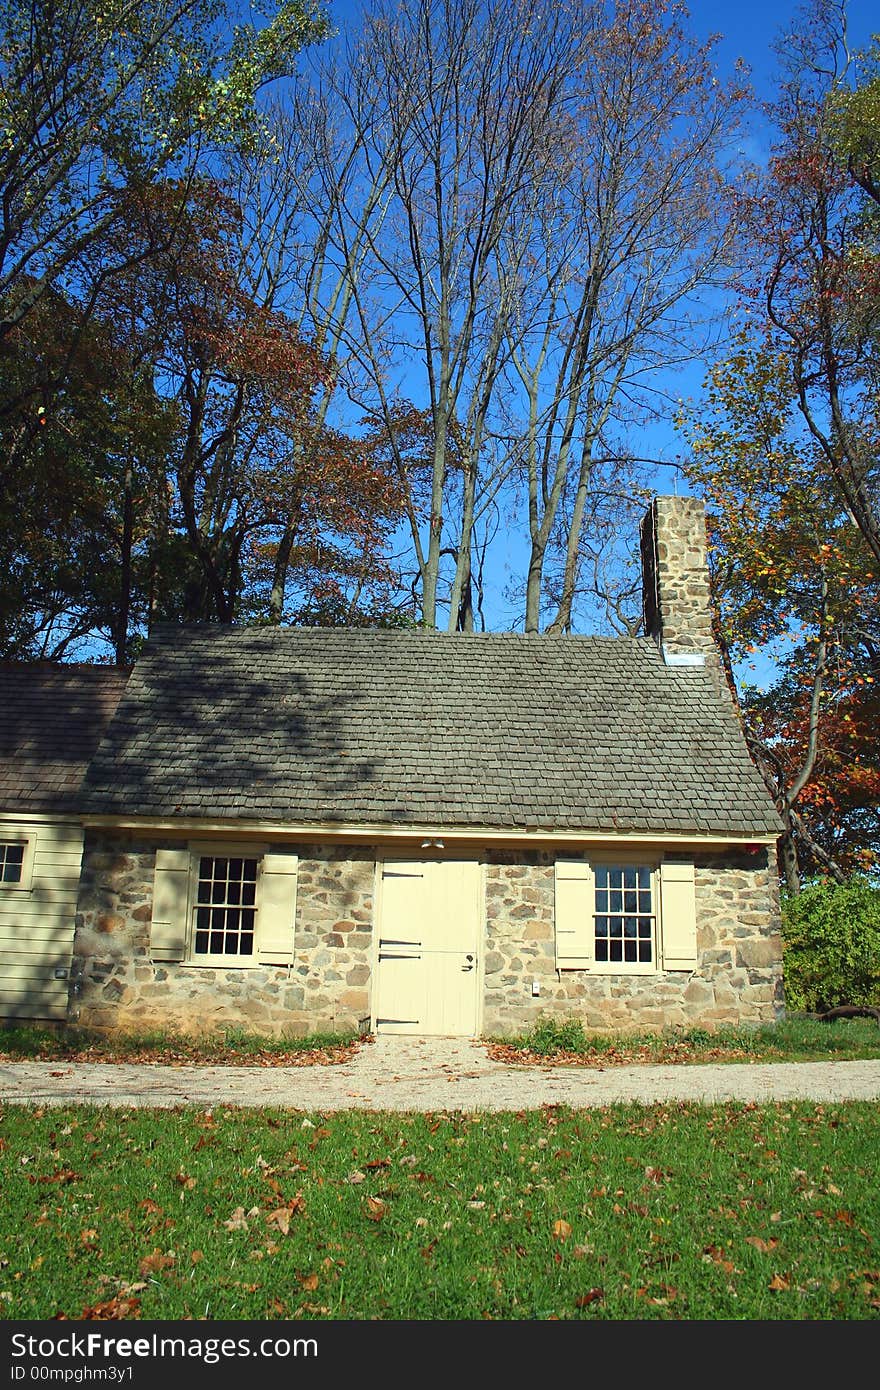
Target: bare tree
636	226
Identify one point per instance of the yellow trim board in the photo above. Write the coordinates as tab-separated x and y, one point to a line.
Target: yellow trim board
369	834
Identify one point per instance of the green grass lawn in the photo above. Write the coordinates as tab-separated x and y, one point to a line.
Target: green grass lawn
674	1211
794	1039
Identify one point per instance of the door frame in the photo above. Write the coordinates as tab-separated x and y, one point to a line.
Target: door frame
418	857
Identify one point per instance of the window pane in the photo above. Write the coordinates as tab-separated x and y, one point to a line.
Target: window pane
645	878
225	907
601	877
616	903
645	951
616	950
629	878
602	950
11	863
631	901
602	900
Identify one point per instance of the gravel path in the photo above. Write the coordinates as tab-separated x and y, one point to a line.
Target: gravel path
430	1074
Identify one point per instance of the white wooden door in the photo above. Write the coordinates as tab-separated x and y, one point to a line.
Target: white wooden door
427	976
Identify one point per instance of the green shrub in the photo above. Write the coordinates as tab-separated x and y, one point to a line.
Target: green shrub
551	1035
831	946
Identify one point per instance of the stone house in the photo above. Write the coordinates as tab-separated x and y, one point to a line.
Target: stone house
298	830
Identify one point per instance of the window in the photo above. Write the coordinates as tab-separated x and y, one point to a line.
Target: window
229	906
623	914
11	862
225	907
625	918
17	861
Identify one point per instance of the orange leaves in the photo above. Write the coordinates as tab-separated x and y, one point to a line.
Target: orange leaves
156	1262
121	1307
374	1208
281	1217
765	1246
591	1296
561	1230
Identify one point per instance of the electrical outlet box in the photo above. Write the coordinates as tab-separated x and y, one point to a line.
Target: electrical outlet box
536	988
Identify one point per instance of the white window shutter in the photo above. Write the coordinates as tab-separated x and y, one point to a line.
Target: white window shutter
277	909
170	904
678	913
575	928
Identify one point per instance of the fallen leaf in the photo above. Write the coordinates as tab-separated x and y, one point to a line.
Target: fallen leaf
113	1308
561	1230
591	1296
237	1221
153	1264
309	1282
356	1176
377	1163
765	1246
779	1283
374	1208
280	1217
185	1181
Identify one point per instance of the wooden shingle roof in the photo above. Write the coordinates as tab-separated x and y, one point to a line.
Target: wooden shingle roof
52	718
353	727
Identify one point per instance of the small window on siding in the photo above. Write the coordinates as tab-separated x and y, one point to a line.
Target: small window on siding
12	862
17	850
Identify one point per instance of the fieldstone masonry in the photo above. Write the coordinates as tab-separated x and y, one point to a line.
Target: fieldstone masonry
116	987
677	599
739	979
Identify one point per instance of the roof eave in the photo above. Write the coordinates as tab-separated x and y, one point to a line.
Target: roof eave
365	832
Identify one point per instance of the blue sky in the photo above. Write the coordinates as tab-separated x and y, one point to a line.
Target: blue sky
748	31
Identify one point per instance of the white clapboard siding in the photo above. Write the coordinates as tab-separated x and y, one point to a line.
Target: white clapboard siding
36	926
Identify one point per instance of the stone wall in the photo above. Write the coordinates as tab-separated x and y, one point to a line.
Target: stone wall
740	952
116	987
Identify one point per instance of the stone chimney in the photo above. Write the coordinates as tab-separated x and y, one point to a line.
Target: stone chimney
675	581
